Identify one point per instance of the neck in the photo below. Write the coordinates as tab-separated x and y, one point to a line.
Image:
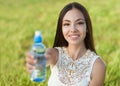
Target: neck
76	52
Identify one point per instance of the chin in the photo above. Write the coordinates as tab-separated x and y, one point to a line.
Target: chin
74	43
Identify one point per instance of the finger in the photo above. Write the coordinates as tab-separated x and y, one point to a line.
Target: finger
30	58
29	67
29	55
31	61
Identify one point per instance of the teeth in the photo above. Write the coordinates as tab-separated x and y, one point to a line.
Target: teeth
74	36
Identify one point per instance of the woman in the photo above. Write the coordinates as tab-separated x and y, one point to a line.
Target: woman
73	60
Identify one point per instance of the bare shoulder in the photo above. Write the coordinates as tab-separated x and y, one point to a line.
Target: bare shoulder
99	63
98	73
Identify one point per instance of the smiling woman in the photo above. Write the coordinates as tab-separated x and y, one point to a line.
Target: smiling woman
73	60
74	27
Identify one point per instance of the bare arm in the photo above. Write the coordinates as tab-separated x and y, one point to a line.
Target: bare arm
51	56
98	73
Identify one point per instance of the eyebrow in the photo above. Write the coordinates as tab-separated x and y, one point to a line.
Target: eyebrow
76	20
80	19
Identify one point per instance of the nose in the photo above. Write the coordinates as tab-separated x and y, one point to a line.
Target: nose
73	28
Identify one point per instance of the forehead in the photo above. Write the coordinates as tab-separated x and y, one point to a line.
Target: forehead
73	14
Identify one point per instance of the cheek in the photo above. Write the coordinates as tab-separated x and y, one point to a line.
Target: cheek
83	32
84	28
64	30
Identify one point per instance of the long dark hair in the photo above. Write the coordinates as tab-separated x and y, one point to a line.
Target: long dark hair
59	38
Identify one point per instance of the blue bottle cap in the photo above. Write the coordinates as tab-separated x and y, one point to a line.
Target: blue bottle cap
37	37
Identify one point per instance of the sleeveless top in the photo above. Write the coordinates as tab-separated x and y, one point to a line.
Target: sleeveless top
68	72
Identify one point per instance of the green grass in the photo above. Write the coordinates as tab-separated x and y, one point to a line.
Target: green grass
20	18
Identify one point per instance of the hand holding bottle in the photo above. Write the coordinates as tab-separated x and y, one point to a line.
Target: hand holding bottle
35	60
30	62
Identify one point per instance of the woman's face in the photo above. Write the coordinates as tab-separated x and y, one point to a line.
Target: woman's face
74	27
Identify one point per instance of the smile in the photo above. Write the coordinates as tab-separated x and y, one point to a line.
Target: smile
74	36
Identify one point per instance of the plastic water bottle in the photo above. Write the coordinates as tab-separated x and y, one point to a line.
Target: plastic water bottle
38	50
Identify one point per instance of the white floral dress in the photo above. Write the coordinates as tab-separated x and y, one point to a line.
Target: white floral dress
67	72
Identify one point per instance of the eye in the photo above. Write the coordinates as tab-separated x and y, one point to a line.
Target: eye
81	22
66	24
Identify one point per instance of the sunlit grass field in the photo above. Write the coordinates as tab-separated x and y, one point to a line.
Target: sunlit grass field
20	18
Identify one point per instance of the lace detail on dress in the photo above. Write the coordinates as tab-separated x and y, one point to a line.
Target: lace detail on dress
72	72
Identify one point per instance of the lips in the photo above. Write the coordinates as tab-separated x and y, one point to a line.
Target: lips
74	36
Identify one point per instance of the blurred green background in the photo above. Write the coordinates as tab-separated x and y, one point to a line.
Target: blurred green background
20	18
